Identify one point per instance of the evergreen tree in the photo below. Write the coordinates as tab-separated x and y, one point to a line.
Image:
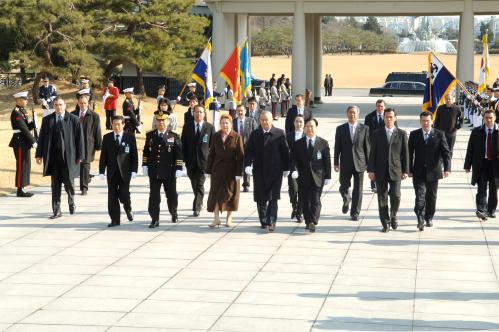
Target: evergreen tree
372	25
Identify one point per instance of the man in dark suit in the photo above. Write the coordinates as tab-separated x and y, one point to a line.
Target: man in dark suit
119	156
449	119
244	126
351	154
253	110
92	138
388	165
292	138
196	142
311	166
481	158
268	152
428	149
162	162
61	147
298	108
374	121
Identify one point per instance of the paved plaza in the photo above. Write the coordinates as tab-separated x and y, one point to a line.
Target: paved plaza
75	274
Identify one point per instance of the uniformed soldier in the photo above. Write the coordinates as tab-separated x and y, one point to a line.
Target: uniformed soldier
47	93
22	141
162	162
85	89
191	93
131	113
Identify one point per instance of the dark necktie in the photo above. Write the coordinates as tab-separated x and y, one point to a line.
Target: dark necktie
161	136
426	136
117	140
490	154
310	148
241	128
380	120
198	131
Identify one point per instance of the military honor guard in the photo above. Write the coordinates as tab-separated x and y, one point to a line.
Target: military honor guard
263	99
162	162
429	153
61	147
388	165
311	166
92	137
191	93
351	154
481	159
119	161
87	90
110	97
244	126
131	114
292	137
22	141
196	142
275	98
47	93
267	160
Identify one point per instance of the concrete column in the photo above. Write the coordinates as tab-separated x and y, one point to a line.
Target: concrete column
465	59
218	43
298	72
310	49
317	58
242	27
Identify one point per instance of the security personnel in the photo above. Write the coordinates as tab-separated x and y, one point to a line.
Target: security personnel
22	141
162	162
47	93
131	113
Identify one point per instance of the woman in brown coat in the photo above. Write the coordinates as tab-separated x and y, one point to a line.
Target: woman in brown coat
225	167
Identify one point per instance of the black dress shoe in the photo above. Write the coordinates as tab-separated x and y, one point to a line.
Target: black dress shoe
345	207
195	213
299	219
55	216
293	214
72	209
245	189
307	226
420	223
129	215
491	215
429	223
263	226
374	190
394	223
84	193
312	227
272	227
354	217
385	229
113	224
481	215
154	224
174	218
22	193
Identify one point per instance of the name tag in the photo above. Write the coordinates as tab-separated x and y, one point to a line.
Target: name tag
319	155
205	138
171	140
127	149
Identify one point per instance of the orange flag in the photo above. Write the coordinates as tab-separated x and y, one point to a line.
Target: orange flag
230	73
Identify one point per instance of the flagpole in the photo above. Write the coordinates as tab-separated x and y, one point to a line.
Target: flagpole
187	80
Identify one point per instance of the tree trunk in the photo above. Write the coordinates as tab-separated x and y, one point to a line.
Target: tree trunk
110	67
140	80
24	79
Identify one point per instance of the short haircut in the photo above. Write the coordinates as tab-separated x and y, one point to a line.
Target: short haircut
251	100
240	106
225	116
299	96
490	111
379	101
118	117
390	109
58	98
299	116
425	113
193	98
266	113
199	106
314	120
353	107
87	97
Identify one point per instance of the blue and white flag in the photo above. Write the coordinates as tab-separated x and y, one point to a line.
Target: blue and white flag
244	65
439	83
203	76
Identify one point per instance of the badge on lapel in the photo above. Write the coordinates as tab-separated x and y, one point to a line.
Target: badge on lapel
319	155
205	138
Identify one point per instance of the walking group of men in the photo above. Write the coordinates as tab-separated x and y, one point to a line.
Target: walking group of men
67	145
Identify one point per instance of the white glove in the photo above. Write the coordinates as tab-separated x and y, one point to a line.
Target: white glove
178	173
44	103
107	94
139	129
248	170
238	178
102	176
285	173
134	175
178	98
327	182
294	175
144	170
34	145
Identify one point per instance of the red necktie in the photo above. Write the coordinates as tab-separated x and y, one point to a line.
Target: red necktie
82	115
490	155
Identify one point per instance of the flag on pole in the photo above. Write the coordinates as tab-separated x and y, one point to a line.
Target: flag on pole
203	76
439	83
484	66
245	68
231	72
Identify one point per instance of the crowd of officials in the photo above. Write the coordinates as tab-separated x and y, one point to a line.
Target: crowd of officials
248	148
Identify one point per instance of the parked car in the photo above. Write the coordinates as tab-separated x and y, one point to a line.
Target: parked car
399	88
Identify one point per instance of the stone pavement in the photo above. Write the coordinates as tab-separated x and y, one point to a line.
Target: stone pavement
75	274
